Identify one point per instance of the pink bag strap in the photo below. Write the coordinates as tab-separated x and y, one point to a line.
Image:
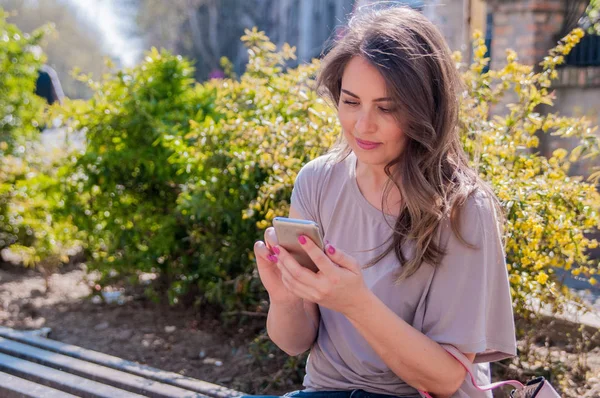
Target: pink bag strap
464	361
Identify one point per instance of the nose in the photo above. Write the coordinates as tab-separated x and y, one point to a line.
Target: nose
365	123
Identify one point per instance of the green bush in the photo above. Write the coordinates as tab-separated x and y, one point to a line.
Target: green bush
20	110
549	213
122	191
33	222
271	124
175	176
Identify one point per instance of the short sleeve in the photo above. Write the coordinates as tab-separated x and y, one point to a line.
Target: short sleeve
306	191
469	304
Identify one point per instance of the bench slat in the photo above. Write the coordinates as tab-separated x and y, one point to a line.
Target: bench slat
88	370
15	387
175	379
60	380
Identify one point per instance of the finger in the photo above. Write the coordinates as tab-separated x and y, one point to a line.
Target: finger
298	272
325	265
261	250
271	238
296	287
341	258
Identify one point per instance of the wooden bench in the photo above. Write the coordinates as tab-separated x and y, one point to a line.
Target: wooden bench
34	366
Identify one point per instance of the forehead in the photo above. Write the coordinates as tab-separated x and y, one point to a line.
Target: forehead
363	79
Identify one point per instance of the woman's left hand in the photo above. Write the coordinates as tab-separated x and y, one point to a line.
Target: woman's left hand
339	284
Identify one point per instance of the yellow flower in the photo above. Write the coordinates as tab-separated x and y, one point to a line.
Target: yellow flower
541	278
270	214
511	55
560	153
480	52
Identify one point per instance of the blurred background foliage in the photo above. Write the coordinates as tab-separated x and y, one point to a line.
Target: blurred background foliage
71	42
591	21
33	221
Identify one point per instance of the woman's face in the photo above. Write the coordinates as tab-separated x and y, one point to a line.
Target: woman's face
366	114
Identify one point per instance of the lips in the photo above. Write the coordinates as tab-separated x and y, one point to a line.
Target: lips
367	144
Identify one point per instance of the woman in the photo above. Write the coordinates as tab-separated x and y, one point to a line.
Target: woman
415	261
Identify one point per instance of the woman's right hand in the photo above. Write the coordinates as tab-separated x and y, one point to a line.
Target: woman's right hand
268	271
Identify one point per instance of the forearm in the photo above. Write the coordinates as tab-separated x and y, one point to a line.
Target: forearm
414	357
290	327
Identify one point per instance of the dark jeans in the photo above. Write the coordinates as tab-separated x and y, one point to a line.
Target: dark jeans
327	394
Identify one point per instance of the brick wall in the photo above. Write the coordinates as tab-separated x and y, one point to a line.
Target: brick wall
530	27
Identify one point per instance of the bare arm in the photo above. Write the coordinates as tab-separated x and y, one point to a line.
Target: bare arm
414	357
293	326
290	326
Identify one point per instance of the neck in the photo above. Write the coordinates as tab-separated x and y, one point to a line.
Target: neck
372	181
372	177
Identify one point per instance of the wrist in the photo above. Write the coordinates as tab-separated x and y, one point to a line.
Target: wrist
286	303
363	304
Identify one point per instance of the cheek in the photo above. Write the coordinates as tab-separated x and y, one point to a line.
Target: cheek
346	121
393	133
393	129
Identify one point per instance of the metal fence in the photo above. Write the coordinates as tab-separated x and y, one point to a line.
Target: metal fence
586	53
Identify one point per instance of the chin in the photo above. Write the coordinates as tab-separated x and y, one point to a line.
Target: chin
372	159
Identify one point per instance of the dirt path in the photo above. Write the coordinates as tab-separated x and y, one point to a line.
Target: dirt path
185	341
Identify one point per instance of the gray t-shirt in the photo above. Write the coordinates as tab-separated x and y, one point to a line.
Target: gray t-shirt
464	302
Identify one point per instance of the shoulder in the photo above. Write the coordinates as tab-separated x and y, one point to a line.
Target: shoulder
320	163
476	219
483	207
479	208
319	168
312	184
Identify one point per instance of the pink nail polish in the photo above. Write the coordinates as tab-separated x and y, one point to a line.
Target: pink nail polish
276	250
302	239
330	249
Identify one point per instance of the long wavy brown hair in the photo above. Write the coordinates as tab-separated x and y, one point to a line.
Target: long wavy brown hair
415	61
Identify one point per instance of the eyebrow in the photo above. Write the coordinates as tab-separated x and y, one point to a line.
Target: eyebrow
375	100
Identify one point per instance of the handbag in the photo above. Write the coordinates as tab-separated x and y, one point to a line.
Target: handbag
536	388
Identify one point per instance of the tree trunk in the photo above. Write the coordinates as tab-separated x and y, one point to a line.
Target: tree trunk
204	54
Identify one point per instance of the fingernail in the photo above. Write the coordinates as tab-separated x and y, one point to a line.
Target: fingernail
330	249
276	250
302	239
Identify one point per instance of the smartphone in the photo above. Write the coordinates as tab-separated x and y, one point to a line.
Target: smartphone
289	229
